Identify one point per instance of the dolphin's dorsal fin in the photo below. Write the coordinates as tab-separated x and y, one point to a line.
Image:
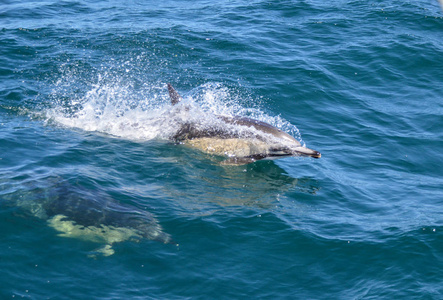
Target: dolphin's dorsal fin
175	97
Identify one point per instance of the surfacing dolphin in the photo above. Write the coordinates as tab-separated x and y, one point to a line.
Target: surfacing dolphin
243	140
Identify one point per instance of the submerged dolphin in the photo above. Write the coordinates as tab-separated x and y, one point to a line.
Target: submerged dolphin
243	140
90	215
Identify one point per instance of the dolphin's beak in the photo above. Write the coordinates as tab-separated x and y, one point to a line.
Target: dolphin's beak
306	152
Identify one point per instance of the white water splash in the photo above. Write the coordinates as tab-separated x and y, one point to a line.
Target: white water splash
116	109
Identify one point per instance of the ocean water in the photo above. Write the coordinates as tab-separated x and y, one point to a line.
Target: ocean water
85	127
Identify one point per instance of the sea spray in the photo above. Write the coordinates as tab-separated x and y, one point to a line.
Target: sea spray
115	107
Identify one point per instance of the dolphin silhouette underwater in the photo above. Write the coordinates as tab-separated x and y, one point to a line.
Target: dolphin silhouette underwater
243	140
89	215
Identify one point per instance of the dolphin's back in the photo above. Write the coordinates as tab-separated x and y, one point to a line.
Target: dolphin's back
261	126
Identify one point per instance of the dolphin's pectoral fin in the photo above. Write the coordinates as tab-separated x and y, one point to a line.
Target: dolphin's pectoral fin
175	97
106	250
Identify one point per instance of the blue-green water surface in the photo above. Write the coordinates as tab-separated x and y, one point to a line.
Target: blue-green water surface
85	120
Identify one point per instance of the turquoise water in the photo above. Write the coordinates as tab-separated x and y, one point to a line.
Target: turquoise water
84	126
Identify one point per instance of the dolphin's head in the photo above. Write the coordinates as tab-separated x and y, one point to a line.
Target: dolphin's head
287	144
